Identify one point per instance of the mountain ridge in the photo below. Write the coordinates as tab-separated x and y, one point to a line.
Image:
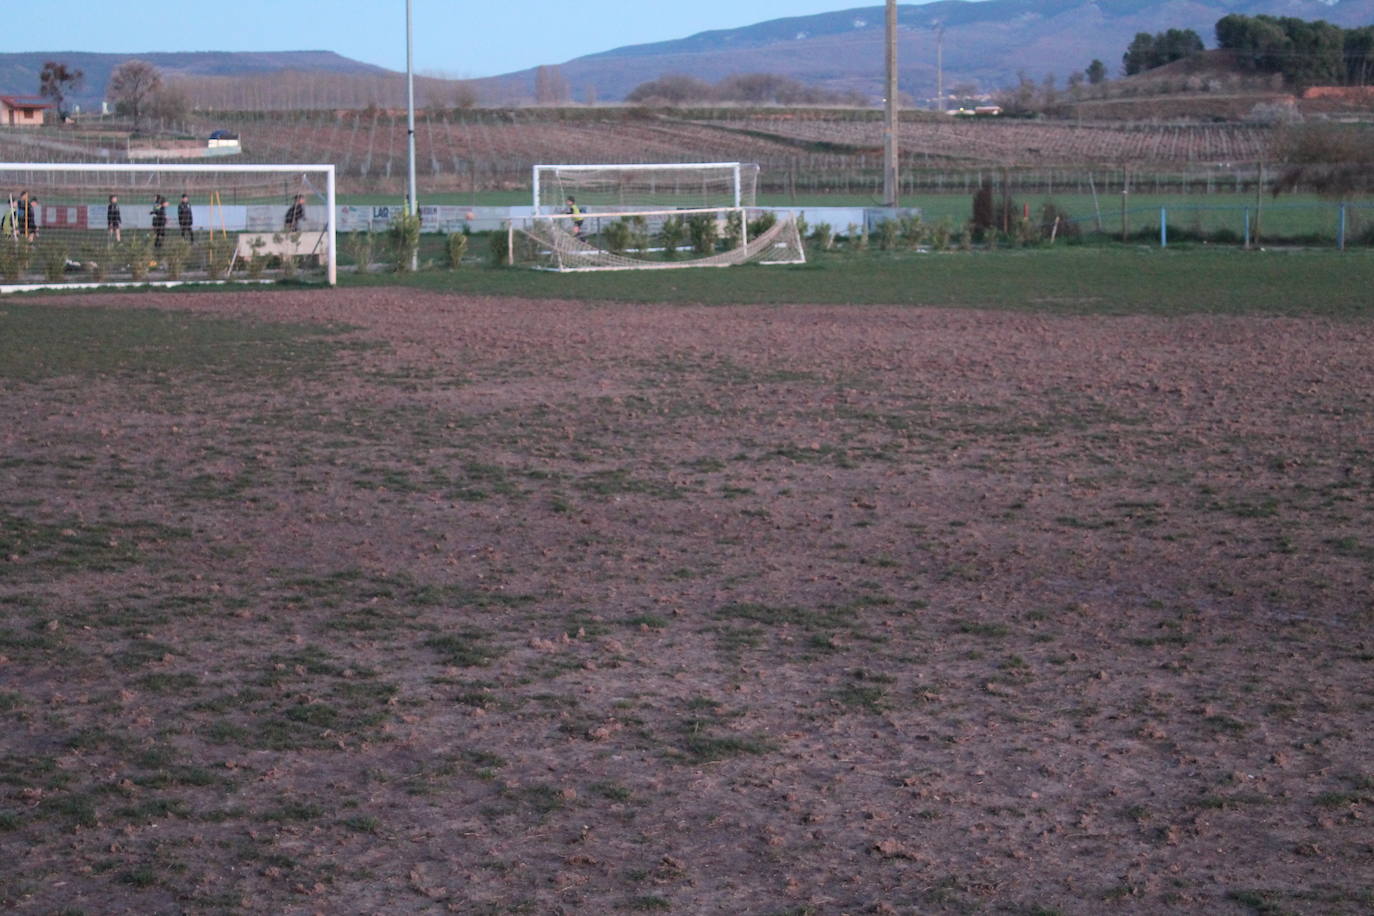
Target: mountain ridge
988	43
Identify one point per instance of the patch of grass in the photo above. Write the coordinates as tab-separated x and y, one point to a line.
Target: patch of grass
1078	280
42	342
986	630
294	811
72	545
463	649
611	791
168	683
860	696
1261	902
618	482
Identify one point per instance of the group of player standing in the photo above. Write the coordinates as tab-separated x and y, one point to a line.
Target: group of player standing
20	219
185	219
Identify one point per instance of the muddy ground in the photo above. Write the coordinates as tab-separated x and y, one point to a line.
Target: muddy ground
496	606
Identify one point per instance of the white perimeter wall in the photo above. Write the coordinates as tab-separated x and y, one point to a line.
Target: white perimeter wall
270	217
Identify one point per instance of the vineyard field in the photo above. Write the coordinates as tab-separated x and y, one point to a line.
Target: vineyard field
801	152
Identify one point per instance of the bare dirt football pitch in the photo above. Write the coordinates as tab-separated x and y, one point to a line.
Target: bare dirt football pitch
496	606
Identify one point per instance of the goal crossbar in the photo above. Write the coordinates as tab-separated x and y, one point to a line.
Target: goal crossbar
735	173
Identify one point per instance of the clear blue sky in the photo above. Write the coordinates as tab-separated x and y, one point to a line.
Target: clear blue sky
458	37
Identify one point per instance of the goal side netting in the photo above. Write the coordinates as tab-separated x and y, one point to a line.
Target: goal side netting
69	224
654	186
655	239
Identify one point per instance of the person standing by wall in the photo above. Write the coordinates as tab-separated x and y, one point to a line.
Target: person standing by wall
295	214
159	213
576	212
113	219
184	219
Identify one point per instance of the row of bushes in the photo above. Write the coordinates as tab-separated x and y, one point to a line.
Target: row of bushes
136	255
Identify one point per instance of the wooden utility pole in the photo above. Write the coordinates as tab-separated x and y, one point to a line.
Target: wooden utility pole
891	190
940	67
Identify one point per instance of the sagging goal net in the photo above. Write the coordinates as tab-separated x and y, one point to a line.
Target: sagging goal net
621	217
75	223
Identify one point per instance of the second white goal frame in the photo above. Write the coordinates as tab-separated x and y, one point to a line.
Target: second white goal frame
734	169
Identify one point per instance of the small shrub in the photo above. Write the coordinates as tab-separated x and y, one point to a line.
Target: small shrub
857	237
966	238
219	254
823	236
175	254
403	240
257	261
639	232
913	231
802	226
360	248
616	236
136	251
762	223
704	232
95	258
52	258
457	247
941	234
992	212
889	232
1057	223
734	230
288	261
500	248
671	234
14	259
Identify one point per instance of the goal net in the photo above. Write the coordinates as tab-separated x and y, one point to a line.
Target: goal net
657	186
621	217
68	224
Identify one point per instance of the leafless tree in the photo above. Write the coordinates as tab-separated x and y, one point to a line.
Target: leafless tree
550	86
55	80
132	87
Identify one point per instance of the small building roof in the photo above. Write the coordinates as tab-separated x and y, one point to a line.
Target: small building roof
25	101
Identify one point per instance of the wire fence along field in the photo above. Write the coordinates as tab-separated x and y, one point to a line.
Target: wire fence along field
1213	181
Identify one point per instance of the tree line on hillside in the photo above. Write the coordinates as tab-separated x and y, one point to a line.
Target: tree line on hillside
1305	53
748	88
1147	51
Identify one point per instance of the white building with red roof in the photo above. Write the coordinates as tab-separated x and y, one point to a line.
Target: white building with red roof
22	111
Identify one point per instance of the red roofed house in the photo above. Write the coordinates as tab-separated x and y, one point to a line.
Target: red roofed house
22	111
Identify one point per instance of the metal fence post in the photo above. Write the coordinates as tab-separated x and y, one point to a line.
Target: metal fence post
1163	228
1247	227
1340	228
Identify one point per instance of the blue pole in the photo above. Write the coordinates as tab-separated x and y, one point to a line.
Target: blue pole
1340	229
1163	228
1247	227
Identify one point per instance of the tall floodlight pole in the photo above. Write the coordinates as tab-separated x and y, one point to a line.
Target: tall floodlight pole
412	203
890	190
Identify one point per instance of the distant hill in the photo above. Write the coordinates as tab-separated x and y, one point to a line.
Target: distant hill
19	72
986	44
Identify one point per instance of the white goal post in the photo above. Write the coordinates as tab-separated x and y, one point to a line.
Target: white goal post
68	224
626	216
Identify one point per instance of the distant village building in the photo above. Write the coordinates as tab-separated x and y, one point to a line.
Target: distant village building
22	111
